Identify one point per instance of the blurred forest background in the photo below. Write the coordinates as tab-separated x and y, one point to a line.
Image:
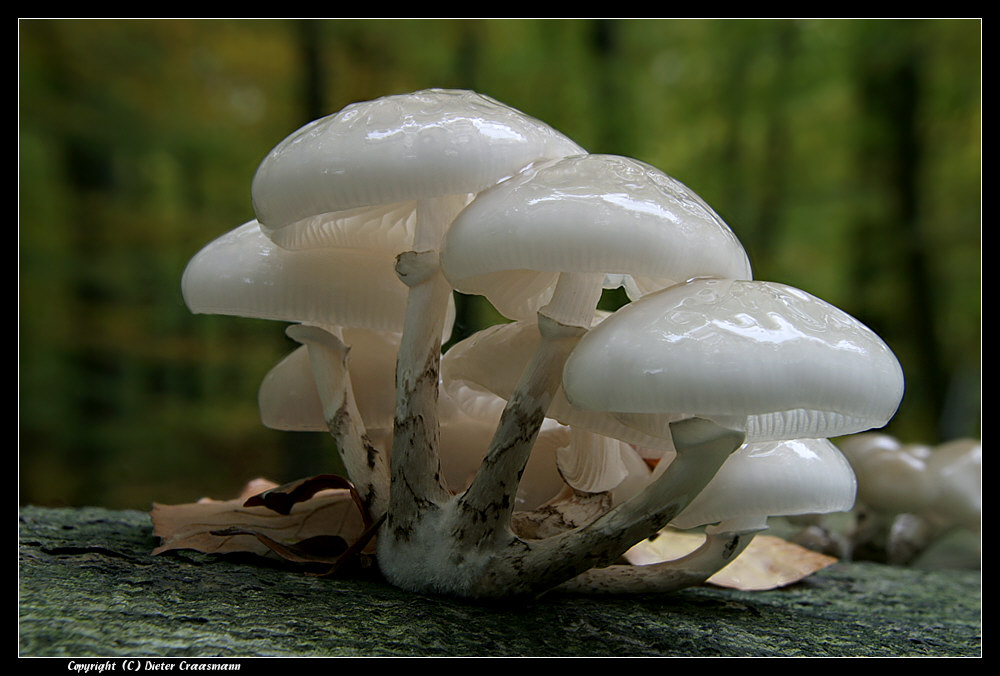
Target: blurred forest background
846	155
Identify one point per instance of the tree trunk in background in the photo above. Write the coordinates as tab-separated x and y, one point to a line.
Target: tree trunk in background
892	275
83	404
313	75
605	52
772	199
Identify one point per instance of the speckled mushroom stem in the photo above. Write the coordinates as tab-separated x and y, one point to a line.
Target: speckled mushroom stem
489	501
415	462
702	448
491	497
416	474
722	545
366	466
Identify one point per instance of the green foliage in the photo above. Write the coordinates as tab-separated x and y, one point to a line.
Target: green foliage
846	155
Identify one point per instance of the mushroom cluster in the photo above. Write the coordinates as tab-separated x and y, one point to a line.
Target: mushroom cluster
535	453
911	496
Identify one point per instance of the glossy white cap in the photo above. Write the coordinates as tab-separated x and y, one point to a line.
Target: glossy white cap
761	356
786	478
611	216
243	273
401	148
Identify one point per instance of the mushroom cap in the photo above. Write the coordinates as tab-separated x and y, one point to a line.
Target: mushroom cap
785	478
604	214
399	148
763	355
857	446
943	483
288	399
891	477
243	273
957	468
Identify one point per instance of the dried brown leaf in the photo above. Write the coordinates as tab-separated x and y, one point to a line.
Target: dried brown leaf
767	563
770	562
283	498
228	526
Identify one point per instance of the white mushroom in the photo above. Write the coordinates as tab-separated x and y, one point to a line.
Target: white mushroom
942	483
772	360
957	470
585	222
911	495
441	188
775	478
891	479
375	162
244	273
426	152
761	358
552	236
760	480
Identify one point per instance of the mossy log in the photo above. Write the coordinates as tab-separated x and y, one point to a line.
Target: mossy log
90	587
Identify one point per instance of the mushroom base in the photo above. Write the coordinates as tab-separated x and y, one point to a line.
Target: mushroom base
444	549
432	556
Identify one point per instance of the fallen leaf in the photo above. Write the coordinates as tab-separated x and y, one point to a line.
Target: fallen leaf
768	562
321	524
252	488
282	499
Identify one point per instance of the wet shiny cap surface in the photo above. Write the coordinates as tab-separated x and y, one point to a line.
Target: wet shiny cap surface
423	145
794	364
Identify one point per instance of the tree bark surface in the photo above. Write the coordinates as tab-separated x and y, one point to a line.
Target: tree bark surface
89	587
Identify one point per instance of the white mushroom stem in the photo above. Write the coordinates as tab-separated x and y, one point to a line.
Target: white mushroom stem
575	298
561	323
365	465
415	463
416	473
441	553
723	543
492	493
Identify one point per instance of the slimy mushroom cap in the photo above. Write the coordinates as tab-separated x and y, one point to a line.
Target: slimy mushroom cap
244	274
765	355
785	478
611	216
387	154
